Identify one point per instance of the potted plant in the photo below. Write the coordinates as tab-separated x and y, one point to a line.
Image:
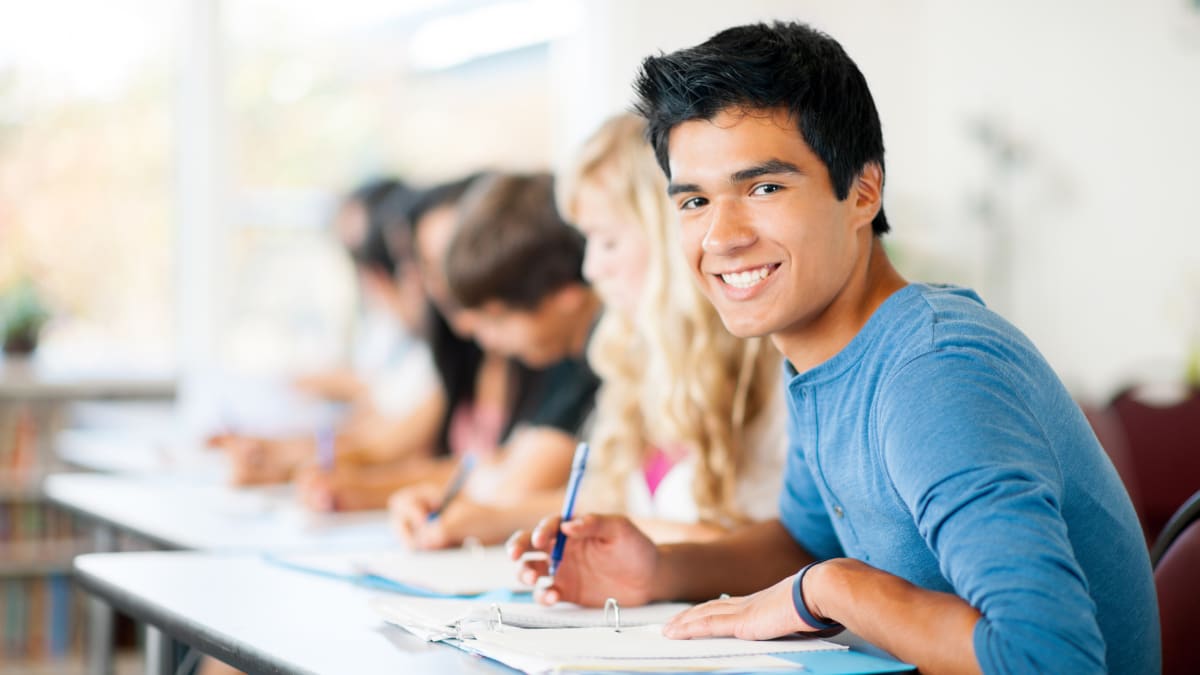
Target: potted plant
22	315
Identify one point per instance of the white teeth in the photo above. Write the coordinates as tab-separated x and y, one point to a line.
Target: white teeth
747	278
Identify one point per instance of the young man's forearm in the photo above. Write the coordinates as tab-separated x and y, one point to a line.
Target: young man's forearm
743	562
931	630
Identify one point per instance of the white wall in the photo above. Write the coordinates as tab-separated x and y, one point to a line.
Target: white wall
1102	97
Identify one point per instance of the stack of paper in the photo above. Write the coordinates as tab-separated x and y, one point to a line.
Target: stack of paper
539	639
435	619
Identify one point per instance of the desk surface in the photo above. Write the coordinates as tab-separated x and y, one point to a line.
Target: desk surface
30	379
261	617
198	513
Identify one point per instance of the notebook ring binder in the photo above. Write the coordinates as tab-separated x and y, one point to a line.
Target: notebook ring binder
499	622
494	620
611	604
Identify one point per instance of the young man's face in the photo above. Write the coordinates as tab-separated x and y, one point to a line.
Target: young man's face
763	232
539	338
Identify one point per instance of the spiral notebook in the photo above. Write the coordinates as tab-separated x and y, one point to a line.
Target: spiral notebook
435	618
536	639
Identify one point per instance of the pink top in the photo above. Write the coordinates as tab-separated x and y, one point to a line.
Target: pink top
659	464
475	430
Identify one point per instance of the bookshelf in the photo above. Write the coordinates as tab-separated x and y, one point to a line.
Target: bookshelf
40	609
42	612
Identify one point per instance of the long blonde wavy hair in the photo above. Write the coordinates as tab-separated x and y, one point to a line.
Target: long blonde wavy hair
672	373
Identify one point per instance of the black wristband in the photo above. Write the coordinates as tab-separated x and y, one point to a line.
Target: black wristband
802	609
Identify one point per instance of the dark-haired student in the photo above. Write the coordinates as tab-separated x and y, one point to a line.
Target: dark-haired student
392	369
517	408
385	316
414	229
506	268
944	498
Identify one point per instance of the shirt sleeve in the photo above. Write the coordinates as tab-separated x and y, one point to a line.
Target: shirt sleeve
565	397
969	459
801	509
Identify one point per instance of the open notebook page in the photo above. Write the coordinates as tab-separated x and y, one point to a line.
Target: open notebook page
643	642
534	664
450	572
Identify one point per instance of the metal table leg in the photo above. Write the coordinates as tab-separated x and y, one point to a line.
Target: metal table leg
160	652
100	614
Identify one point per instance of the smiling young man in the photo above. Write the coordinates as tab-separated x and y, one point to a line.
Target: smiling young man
944	497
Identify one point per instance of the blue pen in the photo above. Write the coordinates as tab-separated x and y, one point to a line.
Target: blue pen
456	485
577	467
326	448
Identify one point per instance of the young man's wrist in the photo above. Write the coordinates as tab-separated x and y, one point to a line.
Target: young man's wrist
664	584
819	580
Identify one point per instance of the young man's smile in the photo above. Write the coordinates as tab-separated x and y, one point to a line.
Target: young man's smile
744	283
768	240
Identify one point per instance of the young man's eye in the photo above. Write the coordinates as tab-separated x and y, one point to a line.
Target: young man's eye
766	189
693	203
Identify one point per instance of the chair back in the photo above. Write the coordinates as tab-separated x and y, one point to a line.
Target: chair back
1164	444
1176	559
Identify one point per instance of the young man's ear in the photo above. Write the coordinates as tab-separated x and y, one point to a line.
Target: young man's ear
867	193
570	298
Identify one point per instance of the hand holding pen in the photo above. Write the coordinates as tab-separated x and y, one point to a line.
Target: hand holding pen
325	439
578	464
455	486
608	556
416	511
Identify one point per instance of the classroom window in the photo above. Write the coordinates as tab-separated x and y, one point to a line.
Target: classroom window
85	170
321	99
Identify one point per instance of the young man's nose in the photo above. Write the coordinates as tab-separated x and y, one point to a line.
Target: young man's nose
728	229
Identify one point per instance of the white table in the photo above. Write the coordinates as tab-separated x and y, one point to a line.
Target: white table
198	513
261	617
23	379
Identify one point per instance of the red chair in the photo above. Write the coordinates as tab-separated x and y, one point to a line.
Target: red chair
1176	559
1164	443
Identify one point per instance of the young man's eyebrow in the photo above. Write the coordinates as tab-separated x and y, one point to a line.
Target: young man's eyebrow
678	188
769	167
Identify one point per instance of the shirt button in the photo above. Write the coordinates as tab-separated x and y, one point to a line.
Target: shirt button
837	511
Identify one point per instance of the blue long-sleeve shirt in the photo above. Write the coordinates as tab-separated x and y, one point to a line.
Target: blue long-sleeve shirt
940	446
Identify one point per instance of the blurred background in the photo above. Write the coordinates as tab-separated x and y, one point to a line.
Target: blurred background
169	171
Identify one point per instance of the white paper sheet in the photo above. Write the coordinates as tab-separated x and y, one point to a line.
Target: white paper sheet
450	572
642	642
440	615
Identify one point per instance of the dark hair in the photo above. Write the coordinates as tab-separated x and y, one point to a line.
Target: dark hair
401	209
512	245
457	360
376	197
787	66
444	194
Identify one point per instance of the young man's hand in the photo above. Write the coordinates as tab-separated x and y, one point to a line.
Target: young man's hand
763	615
605	557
